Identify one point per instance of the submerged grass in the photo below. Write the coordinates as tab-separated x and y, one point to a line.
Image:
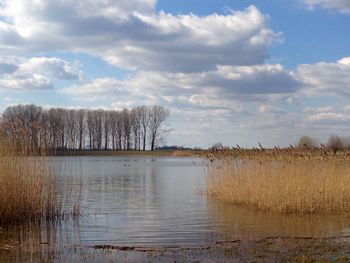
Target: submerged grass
286	184
29	188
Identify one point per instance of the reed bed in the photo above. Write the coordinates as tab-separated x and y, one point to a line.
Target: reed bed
29	188
287	184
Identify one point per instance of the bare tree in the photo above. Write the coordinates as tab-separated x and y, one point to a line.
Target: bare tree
106	120
335	143
81	116
113	116
71	128
126	120
61	129
144	116
90	127
98	115
135	126
119	130
158	115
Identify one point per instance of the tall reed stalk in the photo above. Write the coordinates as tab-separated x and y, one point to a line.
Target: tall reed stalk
29	189
287	185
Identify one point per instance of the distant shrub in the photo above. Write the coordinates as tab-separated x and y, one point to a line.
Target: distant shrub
307	142
335	143
217	146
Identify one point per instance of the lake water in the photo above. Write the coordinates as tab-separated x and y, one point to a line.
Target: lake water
145	201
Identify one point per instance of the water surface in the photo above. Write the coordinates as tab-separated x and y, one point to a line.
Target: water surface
145	201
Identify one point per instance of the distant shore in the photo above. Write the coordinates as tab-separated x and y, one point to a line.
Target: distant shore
156	153
267	154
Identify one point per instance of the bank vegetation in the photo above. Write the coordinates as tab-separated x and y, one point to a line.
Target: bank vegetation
30	189
289	180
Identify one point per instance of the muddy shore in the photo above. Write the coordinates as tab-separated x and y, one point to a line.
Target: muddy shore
270	249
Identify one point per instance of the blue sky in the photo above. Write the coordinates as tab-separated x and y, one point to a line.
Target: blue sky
236	72
309	36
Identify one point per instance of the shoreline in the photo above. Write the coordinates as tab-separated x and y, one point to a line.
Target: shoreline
269	249
131	153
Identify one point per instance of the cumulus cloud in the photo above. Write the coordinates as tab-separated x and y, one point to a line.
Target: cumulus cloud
210	70
215	89
265	96
52	67
326	78
342	6
326	115
35	73
34	81
132	35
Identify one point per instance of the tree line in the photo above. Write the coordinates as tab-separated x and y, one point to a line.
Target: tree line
335	143
59	129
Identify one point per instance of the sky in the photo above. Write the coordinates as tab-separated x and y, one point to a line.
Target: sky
230	71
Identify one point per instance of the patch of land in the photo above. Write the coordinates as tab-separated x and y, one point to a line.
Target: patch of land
241	153
269	249
159	153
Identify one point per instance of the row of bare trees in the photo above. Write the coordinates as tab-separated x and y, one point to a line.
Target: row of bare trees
76	129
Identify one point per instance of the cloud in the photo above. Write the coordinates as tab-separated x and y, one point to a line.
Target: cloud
35	73
211	70
326	78
34	81
211	89
326	109
267	97
342	6
52	67
265	108
132	35
328	117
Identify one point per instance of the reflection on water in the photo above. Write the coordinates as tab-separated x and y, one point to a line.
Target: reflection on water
153	202
246	223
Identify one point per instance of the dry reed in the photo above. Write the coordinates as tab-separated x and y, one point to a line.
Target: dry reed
287	184
29	189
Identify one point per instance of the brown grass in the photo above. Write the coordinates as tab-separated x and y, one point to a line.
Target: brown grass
287	184
29	189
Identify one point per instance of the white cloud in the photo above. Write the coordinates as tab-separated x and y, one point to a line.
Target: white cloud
51	67
210	70
130	34
342	6
212	89
326	78
319	109
35	73
34	81
244	97
329	117
264	108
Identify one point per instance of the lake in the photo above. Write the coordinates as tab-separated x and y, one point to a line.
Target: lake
154	202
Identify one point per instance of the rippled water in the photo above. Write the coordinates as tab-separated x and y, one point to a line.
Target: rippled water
158	202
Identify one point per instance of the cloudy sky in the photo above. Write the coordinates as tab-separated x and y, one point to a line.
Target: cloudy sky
230	71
